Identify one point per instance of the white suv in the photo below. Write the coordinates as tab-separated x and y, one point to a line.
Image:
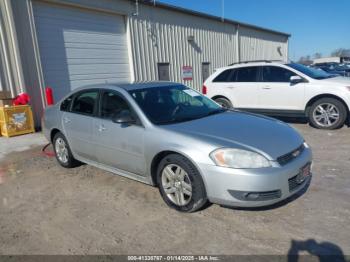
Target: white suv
282	89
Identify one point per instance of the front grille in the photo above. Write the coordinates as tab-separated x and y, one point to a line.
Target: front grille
285	159
293	184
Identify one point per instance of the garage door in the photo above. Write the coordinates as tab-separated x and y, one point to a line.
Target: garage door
80	47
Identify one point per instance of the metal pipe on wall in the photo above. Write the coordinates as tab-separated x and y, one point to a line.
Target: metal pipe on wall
5	72
10	50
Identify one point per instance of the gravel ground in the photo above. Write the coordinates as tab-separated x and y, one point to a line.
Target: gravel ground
46	209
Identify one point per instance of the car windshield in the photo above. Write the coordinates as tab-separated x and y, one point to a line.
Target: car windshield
341	67
173	104
311	72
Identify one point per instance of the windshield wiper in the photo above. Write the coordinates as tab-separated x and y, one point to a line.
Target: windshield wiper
177	120
189	118
218	111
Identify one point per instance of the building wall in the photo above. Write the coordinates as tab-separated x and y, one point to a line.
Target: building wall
259	45
161	36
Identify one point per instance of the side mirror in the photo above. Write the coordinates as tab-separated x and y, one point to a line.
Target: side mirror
124	117
296	79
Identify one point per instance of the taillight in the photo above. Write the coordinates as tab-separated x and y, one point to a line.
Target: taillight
204	90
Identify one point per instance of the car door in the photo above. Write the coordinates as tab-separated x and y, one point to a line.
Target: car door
276	92
118	145
78	123
239	85
246	86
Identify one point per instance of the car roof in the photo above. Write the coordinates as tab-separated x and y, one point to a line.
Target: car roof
129	86
252	63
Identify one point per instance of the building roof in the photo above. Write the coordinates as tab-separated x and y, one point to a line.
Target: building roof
144	85
213	17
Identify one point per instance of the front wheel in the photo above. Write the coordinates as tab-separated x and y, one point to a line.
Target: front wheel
180	184
327	113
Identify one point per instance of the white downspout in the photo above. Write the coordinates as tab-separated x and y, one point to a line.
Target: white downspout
238	45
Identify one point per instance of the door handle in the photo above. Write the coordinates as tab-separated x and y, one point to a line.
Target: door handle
66	120
266	87
101	128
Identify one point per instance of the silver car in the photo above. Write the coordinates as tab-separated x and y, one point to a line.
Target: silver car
168	135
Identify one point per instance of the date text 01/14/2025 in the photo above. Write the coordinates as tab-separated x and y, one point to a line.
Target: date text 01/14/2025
173	258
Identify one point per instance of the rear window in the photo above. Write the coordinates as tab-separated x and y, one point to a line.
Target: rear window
85	103
247	74
65	105
226	76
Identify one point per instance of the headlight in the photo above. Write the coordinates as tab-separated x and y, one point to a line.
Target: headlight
306	145
238	158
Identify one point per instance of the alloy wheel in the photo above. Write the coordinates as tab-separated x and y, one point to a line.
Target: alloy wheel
61	150
326	114
176	184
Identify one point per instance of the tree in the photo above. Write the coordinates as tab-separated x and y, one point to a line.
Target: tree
341	52
305	60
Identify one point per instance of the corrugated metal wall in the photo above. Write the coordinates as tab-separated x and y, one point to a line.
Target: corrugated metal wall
160	35
256	45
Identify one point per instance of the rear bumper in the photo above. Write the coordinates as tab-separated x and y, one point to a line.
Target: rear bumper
230	187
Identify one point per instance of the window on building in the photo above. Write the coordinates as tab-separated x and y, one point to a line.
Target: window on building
205	70
247	74
85	103
277	74
163	72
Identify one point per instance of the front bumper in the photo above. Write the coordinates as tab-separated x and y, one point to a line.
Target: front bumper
275	184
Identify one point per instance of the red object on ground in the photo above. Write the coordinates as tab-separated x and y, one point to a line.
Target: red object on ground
49	96
21	99
47	153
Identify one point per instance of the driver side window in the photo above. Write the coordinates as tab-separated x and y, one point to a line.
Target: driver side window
112	104
276	74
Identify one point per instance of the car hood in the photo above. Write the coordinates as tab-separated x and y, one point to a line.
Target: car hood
267	136
337	80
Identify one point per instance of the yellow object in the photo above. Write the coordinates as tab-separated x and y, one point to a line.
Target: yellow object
16	120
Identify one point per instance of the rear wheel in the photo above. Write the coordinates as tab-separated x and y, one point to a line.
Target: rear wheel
224	102
180	184
327	113
62	151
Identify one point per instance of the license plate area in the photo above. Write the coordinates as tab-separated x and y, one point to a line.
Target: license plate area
304	173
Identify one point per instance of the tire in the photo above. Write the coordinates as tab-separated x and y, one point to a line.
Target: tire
334	116
172	183
62	151
224	102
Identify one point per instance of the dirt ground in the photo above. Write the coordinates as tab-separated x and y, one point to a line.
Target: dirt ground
46	209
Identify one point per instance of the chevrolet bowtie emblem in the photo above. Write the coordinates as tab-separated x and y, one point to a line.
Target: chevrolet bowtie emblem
296	153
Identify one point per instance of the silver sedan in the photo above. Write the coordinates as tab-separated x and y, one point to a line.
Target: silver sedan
168	135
